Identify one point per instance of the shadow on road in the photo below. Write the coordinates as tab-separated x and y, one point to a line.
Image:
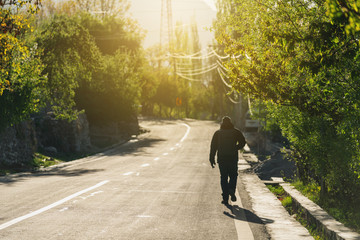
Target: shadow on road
129	148
245	215
56	172
133	147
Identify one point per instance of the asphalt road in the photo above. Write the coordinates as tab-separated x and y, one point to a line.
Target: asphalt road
160	186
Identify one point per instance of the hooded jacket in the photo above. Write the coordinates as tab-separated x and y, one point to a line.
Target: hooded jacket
226	142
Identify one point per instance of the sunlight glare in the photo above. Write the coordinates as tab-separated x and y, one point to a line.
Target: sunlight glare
211	4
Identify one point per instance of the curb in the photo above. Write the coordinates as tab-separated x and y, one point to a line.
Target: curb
277	221
316	215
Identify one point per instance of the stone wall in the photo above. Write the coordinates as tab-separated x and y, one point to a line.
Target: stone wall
61	135
113	132
17	144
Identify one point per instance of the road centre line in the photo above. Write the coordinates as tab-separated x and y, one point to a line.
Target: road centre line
128	173
41	210
187	132
156	159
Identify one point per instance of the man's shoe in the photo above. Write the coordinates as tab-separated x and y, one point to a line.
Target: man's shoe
225	202
233	197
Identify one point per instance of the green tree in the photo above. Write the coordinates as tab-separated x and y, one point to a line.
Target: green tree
113	33
306	65
21	83
346	9
70	57
114	93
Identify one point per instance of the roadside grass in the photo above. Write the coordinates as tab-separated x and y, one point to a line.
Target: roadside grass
42	160
341	210
287	202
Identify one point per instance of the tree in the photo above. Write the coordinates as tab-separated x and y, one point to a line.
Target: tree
113	95
306	66
346	9
109	8
112	33
21	82
70	57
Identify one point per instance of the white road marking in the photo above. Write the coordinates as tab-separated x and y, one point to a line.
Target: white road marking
165	154
172	149
143	216
128	173
64	209
177	144
163	191
187	132
91	195
156	159
41	210
145	165
242	227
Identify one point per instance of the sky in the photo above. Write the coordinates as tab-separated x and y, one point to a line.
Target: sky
148	15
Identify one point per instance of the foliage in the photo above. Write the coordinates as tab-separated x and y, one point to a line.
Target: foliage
105	8
80	76
41	160
348	9
21	84
340	212
114	93
112	33
201	93
71	56
305	66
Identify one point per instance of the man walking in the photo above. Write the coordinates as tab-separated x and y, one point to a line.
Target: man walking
226	142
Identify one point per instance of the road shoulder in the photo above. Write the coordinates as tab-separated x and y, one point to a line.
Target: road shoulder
277	221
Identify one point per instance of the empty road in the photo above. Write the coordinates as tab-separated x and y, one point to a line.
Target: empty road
159	186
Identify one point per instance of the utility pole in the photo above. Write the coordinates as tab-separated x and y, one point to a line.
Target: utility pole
166	29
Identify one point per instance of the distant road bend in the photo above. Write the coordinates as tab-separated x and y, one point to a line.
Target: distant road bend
160	186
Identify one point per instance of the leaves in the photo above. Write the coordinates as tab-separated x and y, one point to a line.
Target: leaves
302	56
21	83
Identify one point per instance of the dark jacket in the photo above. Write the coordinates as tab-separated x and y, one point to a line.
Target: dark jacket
226	142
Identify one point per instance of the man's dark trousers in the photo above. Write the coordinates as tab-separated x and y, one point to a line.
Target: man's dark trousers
228	176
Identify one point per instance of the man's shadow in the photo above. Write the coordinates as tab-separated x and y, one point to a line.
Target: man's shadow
245	215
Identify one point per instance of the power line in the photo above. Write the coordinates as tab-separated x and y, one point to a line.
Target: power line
188	78
222	79
201	70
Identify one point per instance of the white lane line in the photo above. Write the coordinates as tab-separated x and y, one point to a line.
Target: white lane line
172	149
64	209
165	154
156	159
187	132
41	210
143	216
242	227
162	191
128	173
145	165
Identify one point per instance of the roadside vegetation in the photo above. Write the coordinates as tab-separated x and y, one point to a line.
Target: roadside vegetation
287	202
299	60
330	205
72	57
